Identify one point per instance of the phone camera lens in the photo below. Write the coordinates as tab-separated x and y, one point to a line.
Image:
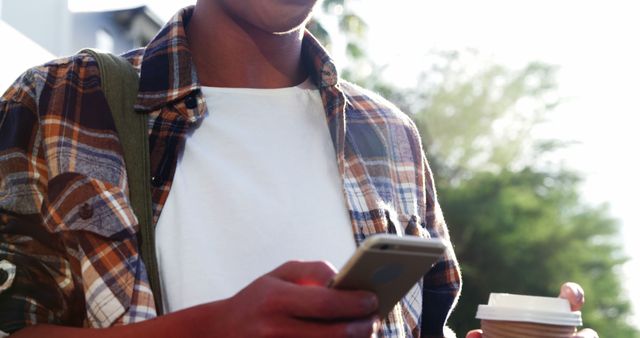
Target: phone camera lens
384	247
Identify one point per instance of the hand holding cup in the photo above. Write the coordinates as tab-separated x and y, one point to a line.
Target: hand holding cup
524	316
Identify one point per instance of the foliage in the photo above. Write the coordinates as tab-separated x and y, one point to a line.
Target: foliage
528	232
478	116
517	226
349	24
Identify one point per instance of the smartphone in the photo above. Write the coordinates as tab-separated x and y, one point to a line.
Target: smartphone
388	266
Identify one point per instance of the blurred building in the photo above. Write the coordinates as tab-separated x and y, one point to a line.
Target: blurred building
23	53
35	31
51	24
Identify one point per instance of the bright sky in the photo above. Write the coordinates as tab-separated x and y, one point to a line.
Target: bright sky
593	41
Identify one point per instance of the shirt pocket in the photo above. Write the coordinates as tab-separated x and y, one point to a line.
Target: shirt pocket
102	227
76	202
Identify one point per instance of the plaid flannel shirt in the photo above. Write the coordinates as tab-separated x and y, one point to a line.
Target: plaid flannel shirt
65	219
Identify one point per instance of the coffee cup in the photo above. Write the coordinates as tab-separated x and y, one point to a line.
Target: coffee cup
520	316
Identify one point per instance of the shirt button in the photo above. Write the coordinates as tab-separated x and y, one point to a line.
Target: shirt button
7	275
191	101
156	181
86	211
3	276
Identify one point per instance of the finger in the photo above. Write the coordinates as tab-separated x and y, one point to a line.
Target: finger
474	334
586	333
574	293
323	303
305	273
312	329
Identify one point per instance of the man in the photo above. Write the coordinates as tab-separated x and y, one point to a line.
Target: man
244	179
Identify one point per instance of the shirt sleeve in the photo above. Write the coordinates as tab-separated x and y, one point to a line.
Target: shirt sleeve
36	280
442	284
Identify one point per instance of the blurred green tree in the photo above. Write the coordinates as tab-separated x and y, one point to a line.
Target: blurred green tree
339	17
350	25
476	115
517	221
527	232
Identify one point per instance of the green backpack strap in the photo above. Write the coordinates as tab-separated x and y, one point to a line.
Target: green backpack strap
120	87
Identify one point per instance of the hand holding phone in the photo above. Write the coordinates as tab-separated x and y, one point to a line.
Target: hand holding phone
389	266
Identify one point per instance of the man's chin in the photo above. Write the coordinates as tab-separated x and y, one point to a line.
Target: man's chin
286	29
293	30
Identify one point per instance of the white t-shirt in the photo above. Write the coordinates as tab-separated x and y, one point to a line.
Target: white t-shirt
256	186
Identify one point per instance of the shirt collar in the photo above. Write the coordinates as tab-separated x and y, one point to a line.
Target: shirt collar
167	72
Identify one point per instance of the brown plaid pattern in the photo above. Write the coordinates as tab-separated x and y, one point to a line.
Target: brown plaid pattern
68	226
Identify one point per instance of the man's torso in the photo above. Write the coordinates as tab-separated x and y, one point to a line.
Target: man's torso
64	181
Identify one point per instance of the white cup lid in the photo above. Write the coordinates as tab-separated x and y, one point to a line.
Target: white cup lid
533	309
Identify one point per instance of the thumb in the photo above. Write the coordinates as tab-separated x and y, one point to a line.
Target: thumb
305	273
574	293
586	333
474	334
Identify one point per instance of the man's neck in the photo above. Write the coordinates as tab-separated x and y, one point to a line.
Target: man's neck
230	53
